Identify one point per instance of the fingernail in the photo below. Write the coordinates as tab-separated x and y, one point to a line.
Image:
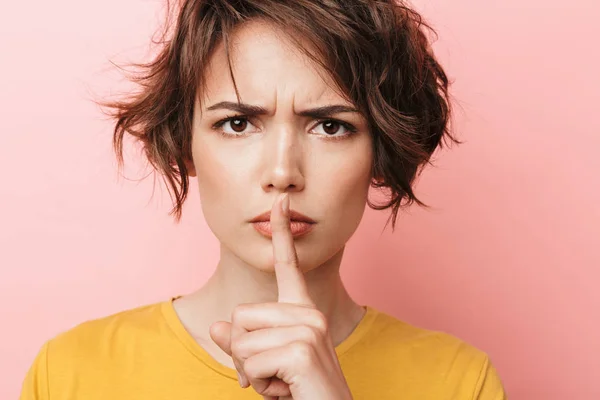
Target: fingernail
240	379
285	204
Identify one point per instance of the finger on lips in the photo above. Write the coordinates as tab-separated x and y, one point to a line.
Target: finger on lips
290	280
282	316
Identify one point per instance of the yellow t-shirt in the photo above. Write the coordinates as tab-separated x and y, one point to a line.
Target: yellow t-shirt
146	353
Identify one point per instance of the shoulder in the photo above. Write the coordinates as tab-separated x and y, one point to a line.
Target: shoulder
438	358
124	323
94	345
431	345
104	338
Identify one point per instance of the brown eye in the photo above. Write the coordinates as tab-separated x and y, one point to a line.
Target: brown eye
331	127
235	126
239	124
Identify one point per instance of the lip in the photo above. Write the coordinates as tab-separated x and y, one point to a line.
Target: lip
294	216
300	224
296	227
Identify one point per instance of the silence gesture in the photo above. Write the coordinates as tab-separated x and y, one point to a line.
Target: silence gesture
283	350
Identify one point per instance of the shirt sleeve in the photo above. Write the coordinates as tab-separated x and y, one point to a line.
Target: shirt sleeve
489	385
35	385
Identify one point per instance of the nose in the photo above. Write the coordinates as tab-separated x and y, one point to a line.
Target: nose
282	162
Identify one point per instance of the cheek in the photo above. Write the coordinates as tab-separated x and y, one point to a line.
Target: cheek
217	174
347	181
210	173
341	187
351	194
356	175
218	182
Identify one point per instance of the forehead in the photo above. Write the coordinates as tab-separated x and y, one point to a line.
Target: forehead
268	67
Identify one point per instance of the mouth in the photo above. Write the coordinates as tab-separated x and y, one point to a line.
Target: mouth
300	224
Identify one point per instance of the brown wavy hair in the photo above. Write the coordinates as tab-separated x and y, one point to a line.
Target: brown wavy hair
378	53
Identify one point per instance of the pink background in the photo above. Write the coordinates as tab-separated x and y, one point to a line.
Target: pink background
508	259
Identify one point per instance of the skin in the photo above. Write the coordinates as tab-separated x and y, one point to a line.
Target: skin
282	288
283	349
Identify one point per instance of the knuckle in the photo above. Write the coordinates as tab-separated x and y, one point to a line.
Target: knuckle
310	334
302	354
320	323
238	348
249	369
238	313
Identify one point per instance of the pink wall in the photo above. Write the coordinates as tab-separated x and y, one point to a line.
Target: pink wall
508	260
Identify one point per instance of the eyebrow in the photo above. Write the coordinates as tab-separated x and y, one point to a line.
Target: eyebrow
251	110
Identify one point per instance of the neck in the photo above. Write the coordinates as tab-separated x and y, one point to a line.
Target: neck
235	282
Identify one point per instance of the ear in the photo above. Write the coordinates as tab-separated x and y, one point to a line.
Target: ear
191	169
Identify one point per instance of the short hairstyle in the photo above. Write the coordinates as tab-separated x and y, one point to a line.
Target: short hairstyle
377	51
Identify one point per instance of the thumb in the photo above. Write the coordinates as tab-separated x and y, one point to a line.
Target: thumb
220	333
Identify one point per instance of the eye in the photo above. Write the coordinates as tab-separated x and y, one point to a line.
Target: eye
333	128
234	126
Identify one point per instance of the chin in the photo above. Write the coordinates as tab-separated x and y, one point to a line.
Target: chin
308	256
256	250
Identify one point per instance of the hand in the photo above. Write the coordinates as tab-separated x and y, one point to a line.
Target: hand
283	350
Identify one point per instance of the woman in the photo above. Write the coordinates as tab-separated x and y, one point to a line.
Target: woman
285	113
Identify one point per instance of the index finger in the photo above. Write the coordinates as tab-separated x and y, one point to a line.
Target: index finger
290	280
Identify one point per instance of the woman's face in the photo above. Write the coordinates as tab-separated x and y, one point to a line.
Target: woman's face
295	135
